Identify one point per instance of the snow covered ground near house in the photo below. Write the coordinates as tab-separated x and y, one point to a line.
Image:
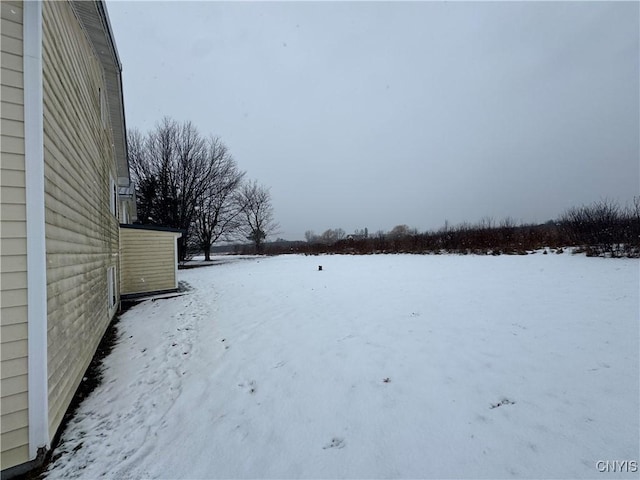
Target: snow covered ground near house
388	366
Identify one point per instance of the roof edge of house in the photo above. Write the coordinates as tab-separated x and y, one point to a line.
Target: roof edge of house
157	228
95	21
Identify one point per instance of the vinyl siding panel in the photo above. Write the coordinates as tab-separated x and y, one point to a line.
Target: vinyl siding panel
11	194
11	29
14	314
11	78
81	232
11	94
13	263
13	350
17	228
16	421
13	280
12	128
14	412
11	10
16	331
12	161
11	45
12	178
14	385
12	111
148	261
14	209
13	439
14	246
13	403
13	368
12	144
15	456
10	299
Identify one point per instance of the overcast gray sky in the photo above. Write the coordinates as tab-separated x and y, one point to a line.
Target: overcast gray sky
374	114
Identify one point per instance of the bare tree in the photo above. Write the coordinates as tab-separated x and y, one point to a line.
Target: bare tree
173	169
598	226
486	223
257	221
360	234
401	231
331	236
142	175
217	211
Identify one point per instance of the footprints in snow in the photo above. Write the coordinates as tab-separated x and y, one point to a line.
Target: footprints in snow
336	442
250	386
346	337
600	365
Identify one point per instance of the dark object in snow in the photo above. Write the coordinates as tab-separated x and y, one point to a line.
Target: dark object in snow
386	380
504	401
319	268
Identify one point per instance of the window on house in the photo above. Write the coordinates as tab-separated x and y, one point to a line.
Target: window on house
103	107
113	193
111	285
125	213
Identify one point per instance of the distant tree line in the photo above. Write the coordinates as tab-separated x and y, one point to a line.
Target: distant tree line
604	228
192	183
601	229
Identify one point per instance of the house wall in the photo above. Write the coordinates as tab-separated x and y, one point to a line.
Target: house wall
14	441
80	229
148	261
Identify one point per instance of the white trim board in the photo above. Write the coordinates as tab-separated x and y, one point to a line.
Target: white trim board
36	246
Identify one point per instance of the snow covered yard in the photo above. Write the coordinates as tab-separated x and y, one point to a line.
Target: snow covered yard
389	366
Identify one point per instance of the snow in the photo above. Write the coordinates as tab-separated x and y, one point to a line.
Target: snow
387	366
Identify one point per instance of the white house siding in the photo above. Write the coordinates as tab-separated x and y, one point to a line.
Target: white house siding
14	423
81	231
148	259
